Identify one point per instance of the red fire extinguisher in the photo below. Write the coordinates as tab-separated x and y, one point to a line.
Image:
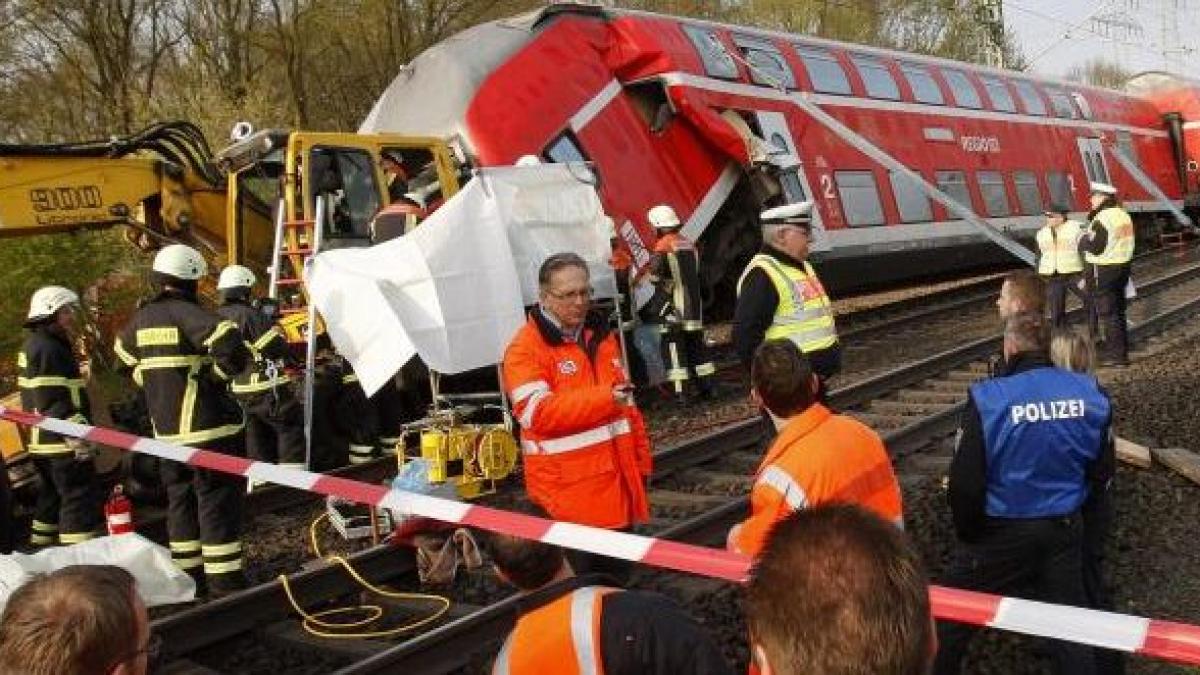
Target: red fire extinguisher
118	512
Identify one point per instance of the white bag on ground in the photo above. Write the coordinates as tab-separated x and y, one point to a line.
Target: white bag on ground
159	582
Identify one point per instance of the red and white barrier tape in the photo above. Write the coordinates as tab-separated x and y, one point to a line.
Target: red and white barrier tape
1160	639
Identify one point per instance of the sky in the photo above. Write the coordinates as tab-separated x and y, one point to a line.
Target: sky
1058	34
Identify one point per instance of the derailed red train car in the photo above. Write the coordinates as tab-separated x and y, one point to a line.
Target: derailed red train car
703	117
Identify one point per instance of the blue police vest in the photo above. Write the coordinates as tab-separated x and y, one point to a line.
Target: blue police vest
1042	428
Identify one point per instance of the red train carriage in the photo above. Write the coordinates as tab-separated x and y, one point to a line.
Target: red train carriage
1177	100
702	116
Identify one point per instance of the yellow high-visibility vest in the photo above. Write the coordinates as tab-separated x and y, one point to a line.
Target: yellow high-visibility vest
1119	250
804	314
1060	249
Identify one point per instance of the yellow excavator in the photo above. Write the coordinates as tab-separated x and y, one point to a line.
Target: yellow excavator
253	203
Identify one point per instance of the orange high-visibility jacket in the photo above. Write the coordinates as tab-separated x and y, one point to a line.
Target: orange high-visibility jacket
819	458
562	637
586	457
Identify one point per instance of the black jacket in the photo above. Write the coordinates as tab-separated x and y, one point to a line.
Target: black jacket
755	313
267	346
642	633
50	383
968	469
183	356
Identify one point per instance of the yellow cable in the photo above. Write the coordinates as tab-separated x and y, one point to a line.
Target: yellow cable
313	623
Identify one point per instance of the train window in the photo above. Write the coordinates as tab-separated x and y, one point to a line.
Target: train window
965	93
924	88
767	63
995	198
1028	193
876	78
954	183
998	92
824	70
717	61
1030	98
566	149
910	199
1085	108
1126	146
860	197
1062	105
1060	187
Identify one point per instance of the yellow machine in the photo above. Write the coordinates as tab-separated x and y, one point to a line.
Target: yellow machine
254	203
471	457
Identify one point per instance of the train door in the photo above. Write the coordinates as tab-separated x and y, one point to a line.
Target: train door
785	155
1092	152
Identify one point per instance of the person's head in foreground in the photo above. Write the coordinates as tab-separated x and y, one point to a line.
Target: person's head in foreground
525	563
564	289
1072	351
1022	291
781	379
839	591
79	620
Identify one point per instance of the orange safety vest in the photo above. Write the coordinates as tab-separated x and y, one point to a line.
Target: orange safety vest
586	457
819	458
561	637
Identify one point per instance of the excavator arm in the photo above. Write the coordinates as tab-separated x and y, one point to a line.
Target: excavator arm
160	182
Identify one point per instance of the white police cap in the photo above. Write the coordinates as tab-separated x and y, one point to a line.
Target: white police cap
1102	189
799	213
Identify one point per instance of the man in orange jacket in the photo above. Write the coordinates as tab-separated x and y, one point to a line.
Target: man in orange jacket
817	458
584	444
574	625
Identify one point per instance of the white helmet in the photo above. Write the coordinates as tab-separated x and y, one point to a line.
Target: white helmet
235	276
528	160
663	217
181	262
46	301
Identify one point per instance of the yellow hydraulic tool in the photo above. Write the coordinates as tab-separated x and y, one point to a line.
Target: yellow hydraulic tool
472	457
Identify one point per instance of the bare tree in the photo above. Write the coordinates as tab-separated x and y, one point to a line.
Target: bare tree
1099	72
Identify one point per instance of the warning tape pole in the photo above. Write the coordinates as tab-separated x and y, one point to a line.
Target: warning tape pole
1150	637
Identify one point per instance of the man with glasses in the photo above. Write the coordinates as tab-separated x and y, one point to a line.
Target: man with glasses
79	620
780	296
585	447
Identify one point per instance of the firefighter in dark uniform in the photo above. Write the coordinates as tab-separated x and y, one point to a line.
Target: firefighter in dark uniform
1035	441
675	273
274	417
68	504
622	265
780	296
184	356
1108	249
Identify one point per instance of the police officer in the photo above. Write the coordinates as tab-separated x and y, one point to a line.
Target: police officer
780	296
1059	262
1034	442
274	417
1108	249
68	504
183	356
676	275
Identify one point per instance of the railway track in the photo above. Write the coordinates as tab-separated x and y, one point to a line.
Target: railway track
697	492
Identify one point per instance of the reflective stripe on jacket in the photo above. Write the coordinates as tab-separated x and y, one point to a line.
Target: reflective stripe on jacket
1119	249
804	314
677	264
183	356
561	637
819	458
1060	249
268	349
586	457
50	383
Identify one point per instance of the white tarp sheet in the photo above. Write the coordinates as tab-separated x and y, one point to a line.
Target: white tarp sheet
159	581
454	290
